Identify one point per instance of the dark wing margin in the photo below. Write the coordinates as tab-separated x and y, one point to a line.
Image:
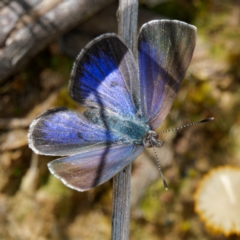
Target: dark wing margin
90	169
165	50
105	76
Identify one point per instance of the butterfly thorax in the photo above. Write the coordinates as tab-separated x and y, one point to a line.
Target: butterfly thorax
129	129
151	140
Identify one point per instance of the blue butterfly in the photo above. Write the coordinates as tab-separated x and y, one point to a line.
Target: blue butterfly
125	103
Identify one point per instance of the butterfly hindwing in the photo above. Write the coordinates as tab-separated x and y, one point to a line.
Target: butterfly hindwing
61	132
165	50
105	76
90	169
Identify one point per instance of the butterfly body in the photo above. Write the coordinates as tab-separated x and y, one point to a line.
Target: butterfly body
126	101
130	129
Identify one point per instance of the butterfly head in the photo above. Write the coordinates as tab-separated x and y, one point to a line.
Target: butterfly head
151	140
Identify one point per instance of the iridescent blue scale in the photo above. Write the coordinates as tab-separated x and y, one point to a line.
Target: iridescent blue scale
125	103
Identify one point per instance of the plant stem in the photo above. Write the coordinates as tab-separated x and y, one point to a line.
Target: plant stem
127	30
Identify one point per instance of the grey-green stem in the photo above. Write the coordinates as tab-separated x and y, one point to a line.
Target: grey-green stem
127	29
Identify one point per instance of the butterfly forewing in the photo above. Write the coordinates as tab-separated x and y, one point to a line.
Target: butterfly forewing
105	76
165	50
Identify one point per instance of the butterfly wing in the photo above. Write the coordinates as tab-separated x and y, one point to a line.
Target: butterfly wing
165	50
90	169
60	132
105	76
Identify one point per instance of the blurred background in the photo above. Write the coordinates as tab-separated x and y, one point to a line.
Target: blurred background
38	43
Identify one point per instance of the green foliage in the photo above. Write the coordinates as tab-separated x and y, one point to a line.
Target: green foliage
150	204
56	188
65	100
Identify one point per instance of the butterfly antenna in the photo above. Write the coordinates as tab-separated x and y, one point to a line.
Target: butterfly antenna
160	170
188	125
